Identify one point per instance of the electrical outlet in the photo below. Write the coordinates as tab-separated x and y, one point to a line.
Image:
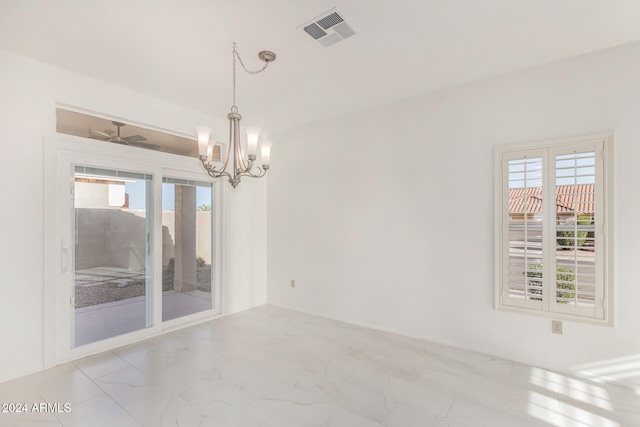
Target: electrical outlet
293	283
556	327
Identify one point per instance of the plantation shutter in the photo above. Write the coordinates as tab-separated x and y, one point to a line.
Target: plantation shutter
553	230
577	180
522	229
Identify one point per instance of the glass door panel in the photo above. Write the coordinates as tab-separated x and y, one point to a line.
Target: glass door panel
187	247
111	229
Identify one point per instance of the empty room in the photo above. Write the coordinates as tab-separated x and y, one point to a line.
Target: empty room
319	214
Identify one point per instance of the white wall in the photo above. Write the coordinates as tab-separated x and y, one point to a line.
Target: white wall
29	93
246	241
385	217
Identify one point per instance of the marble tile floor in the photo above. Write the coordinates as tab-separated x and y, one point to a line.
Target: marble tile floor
271	367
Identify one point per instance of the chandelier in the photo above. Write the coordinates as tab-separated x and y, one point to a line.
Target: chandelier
237	164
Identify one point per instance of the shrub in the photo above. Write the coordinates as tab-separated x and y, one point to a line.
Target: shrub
563	274
200	262
565	238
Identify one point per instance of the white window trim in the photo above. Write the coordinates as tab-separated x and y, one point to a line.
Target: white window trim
608	244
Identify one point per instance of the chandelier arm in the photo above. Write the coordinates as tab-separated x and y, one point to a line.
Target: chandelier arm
212	169
261	171
249	166
242	163
213	173
238	152
209	167
252	175
226	161
219	175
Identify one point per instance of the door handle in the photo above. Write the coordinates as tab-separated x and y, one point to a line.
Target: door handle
65	257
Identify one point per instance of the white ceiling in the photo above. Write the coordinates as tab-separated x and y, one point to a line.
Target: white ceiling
180	51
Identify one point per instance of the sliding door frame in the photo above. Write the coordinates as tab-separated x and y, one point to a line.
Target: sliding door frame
60	154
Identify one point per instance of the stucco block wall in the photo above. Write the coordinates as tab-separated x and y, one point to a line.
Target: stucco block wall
110	238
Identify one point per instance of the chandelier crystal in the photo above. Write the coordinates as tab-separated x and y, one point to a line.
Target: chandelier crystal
237	163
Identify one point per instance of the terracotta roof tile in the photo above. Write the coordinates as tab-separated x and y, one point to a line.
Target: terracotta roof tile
569	198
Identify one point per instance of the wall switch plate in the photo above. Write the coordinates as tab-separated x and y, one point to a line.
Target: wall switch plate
293	283
556	327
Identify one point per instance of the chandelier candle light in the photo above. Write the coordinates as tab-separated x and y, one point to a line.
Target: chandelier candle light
241	165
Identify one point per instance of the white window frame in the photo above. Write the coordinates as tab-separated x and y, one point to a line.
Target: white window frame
604	205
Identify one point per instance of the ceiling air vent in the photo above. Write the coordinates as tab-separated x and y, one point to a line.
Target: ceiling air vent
329	28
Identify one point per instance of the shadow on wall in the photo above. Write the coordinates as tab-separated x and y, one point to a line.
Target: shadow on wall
111	238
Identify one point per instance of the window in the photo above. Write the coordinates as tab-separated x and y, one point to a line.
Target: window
553	228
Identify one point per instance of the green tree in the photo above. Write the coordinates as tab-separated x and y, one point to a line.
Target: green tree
565	283
566	239
204	208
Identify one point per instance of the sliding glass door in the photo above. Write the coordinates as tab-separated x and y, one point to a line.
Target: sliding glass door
128	253
112	253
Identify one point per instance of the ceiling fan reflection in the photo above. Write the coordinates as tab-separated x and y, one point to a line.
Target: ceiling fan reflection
133	140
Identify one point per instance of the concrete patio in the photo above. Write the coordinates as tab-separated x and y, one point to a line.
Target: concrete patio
102	321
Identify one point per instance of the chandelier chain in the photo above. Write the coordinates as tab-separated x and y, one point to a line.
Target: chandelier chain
237	55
